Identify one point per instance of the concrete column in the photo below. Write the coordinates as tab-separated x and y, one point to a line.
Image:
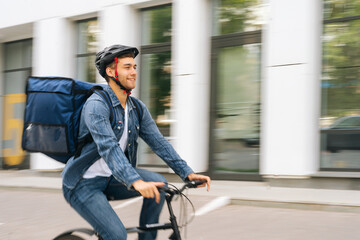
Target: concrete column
191	81
291	88
53	55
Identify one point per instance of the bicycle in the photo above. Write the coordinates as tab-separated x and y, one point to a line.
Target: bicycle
170	192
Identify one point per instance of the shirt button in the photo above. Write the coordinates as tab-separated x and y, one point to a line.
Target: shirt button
129	131
119	128
129	144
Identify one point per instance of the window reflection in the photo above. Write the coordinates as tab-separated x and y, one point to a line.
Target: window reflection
87	44
341	8
232	16
156	94
237	127
340	130
155	89
156	24
17	69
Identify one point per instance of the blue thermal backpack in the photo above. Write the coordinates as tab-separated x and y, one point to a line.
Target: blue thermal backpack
52	115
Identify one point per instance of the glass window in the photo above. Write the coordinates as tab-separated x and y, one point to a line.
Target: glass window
233	16
17	69
235	101
349	122
87	45
341	8
237	124
340	85
156	25
155	89
156	86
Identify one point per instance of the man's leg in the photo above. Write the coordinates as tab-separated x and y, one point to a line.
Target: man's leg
91	203
151	210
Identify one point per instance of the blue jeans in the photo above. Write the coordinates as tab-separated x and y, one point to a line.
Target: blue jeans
90	198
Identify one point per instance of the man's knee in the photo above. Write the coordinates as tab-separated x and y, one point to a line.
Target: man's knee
160	178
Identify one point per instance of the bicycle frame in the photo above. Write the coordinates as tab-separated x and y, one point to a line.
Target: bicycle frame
169	195
162	226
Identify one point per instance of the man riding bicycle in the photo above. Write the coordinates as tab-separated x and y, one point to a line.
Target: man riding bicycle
106	168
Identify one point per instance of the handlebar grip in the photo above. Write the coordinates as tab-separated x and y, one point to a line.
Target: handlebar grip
195	183
164	189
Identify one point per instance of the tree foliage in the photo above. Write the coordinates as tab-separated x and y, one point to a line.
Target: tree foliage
341	60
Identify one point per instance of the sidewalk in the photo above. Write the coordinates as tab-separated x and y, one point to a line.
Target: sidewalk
239	192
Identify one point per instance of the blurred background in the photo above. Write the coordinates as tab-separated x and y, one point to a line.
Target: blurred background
244	89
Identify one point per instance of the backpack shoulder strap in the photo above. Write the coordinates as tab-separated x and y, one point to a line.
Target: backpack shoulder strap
105	96
88	138
138	108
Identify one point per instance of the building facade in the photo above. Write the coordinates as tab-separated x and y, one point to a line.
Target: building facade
244	90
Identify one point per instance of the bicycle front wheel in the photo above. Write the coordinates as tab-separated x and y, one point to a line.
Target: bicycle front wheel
69	237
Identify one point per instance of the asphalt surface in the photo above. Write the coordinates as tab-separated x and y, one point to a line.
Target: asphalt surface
43	214
32	207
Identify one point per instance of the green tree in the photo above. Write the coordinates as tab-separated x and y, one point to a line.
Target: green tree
341	60
235	15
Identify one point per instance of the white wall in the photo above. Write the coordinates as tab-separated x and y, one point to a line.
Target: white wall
191	81
19	12
53	48
291	88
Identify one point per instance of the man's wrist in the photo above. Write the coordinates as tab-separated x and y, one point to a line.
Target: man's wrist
189	177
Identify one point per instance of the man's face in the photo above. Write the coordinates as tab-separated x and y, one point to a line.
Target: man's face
126	69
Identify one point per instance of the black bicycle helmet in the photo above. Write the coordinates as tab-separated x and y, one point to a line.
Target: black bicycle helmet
108	55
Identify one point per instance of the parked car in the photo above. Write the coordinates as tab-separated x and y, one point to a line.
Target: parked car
343	134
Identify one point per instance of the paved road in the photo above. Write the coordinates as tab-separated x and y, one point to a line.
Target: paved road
41	215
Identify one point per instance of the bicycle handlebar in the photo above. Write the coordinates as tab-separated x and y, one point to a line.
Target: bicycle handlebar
188	184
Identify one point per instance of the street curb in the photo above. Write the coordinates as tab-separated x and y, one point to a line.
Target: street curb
310	206
257	194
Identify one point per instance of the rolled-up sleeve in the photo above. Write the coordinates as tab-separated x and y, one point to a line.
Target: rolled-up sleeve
96	116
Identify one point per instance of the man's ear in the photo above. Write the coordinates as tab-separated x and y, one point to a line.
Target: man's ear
109	71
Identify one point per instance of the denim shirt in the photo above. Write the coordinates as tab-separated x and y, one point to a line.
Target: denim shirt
95	119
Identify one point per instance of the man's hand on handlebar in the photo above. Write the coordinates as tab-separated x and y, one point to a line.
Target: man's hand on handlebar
194	176
148	189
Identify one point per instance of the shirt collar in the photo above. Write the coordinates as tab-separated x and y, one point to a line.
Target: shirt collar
114	100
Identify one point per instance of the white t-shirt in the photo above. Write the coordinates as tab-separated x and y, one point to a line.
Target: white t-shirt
100	168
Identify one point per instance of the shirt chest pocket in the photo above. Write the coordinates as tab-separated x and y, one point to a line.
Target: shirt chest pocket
119	128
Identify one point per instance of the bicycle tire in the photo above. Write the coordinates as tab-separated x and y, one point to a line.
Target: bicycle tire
69	237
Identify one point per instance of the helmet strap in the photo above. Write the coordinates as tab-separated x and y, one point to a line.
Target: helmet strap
128	91
116	75
116	79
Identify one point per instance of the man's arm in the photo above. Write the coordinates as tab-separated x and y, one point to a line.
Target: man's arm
150	133
96	115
